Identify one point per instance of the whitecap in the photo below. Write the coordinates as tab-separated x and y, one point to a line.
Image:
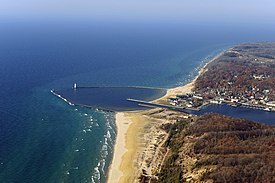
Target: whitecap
104	147
97	173
105	140
103	165
108	134
92	179
105	154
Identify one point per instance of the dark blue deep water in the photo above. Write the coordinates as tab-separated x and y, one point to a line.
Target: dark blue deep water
42	138
110	98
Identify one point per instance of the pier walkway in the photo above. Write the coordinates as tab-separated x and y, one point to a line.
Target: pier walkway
150	104
142	87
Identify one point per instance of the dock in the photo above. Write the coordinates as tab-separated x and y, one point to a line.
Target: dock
150	104
142	87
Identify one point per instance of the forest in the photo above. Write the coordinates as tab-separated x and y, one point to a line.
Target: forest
218	149
245	71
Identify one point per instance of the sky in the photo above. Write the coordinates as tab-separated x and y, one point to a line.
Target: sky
143	10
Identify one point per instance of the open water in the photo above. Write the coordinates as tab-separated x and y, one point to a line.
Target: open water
42	138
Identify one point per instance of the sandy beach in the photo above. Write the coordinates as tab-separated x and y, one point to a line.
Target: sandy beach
139	138
123	168
119	149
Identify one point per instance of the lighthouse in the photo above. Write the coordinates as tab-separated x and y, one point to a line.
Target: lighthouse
75	86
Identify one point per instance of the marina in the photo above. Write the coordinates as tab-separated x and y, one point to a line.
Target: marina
112	98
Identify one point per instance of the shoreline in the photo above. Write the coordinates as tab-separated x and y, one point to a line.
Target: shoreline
122	167
126	145
189	86
114	172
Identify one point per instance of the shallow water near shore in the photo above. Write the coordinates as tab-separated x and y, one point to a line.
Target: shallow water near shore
43	139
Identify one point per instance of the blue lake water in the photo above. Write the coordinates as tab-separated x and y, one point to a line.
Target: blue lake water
42	138
241	112
110	98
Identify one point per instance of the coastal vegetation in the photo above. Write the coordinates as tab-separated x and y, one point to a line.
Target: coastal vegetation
216	148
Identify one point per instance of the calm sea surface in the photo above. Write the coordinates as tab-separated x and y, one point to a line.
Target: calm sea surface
42	138
110	98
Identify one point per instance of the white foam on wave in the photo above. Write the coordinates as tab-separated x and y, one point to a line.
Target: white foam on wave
105	141
97	173
103	163
92	179
105	154
112	129
108	134
104	147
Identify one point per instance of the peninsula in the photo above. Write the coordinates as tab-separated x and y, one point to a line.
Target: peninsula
163	145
